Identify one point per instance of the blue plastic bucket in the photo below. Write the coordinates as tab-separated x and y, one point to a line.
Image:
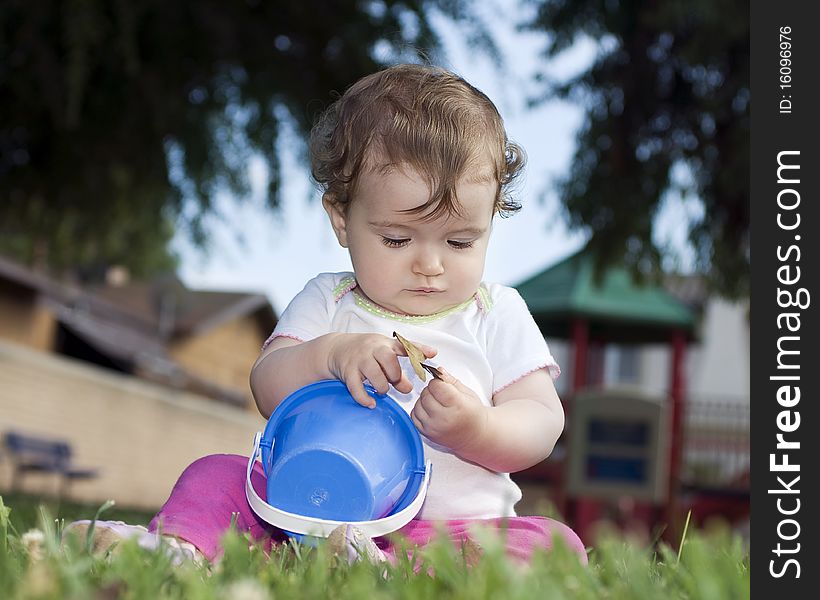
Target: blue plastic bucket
327	457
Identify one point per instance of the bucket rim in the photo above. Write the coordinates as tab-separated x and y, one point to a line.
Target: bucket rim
336	385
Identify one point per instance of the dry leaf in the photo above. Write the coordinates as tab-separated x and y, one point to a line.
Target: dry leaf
414	354
471	551
433	371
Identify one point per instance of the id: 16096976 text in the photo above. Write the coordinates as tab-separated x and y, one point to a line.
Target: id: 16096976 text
785	70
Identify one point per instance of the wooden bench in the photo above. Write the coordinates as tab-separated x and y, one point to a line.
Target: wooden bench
34	454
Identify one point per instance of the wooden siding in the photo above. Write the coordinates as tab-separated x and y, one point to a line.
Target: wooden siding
223	355
24	319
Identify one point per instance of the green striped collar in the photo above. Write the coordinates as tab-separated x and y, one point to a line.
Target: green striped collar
348	283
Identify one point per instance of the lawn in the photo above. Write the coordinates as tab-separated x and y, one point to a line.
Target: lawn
26	511
710	565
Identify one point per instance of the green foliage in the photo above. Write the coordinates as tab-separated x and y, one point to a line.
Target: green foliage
713	566
122	118
669	88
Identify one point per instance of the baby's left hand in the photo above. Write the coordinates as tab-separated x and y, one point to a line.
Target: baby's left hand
449	413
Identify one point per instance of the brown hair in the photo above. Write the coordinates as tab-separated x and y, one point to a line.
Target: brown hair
421	116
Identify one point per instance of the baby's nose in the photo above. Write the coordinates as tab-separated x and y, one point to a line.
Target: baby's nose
428	263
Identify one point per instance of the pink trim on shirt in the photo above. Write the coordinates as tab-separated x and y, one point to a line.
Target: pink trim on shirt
273	336
551	368
340	293
483	299
480	303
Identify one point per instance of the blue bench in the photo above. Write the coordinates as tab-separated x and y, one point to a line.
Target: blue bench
34	454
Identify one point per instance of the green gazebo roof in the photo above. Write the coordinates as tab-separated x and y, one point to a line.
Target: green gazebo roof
617	308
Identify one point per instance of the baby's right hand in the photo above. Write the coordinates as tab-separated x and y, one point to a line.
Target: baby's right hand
355	357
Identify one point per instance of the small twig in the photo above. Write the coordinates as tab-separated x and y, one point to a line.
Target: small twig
683	536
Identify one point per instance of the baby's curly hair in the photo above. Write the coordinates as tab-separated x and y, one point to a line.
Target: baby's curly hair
421	116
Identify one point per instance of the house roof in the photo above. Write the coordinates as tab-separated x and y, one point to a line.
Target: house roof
166	305
133	324
23	277
617	307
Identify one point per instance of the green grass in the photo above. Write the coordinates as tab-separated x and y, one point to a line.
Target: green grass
26	513
709	566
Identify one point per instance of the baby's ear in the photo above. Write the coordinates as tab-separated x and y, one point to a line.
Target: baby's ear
336	214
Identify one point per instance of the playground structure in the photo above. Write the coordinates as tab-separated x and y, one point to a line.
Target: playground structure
627	457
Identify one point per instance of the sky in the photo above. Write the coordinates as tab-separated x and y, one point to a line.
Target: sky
255	250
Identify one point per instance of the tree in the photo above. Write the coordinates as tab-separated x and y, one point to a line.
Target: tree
122	119
669	88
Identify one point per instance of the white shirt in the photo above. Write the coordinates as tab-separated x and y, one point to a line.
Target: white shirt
487	343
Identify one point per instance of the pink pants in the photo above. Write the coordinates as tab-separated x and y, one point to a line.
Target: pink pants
212	489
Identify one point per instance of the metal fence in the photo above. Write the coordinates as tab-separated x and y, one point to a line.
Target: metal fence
716	444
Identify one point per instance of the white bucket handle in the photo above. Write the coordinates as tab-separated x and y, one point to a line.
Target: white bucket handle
322	527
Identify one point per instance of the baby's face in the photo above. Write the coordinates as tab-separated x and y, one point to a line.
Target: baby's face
404	263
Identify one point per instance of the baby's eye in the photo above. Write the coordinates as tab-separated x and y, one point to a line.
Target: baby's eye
459	245
395	242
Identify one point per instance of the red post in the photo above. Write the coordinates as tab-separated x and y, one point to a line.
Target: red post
580	346
677	390
580	512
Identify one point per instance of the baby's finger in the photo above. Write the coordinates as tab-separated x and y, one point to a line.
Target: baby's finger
435	406
446	377
403	385
417	422
442	393
390	366
374	374
356	388
419	417
429	351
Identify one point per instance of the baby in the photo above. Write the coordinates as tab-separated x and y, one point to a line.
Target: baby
414	164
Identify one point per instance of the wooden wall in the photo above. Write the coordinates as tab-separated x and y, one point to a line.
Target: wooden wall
25	319
223	355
